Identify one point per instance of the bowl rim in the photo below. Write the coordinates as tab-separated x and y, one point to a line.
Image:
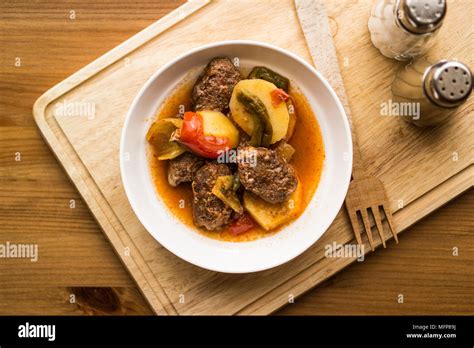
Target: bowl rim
151	79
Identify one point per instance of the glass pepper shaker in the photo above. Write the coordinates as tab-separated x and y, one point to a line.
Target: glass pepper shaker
404	29
431	90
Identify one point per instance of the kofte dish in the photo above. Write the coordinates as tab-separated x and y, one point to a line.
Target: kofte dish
235	153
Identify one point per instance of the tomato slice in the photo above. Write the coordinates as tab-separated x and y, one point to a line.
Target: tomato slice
243	224
203	150
192	126
278	96
213	144
192	136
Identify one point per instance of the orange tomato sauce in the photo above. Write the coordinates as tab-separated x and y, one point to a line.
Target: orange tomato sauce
307	160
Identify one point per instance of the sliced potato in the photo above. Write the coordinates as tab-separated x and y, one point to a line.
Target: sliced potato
217	124
279	117
159	136
262	128
223	189
269	215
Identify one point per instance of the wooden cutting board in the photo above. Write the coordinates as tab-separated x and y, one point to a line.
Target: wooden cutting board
421	169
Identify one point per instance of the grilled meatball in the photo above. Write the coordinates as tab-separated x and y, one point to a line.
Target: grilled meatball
183	168
208	210
213	89
266	174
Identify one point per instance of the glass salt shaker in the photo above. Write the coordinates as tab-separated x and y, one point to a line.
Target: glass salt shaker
431	90
404	29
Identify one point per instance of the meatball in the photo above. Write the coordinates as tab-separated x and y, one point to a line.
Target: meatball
183	168
208	210
264	173
213	89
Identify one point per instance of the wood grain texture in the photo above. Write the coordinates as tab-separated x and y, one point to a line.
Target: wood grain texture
366	196
318	35
92	163
36	194
422	268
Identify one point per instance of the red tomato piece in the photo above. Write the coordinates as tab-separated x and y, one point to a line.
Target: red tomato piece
243	224
192	126
278	96
192	136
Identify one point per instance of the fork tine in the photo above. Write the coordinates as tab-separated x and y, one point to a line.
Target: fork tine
378	222
355	225
389	217
365	218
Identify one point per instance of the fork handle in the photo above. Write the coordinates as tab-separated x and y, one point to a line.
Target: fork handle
315	25
358	167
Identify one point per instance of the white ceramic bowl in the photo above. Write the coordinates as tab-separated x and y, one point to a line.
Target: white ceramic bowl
263	253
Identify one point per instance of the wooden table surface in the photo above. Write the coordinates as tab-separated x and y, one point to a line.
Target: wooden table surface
43	43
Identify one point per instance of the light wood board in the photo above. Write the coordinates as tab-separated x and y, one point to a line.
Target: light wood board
421	169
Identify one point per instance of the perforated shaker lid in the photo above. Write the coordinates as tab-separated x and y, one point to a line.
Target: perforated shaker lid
448	83
421	16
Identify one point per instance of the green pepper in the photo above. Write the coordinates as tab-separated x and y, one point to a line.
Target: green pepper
223	189
236	184
262	132
284	150
260	72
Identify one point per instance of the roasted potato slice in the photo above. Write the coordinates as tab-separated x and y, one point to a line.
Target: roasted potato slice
270	216
217	124
261	89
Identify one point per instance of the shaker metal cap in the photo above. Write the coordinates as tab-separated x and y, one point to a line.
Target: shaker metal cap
421	16
448	83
